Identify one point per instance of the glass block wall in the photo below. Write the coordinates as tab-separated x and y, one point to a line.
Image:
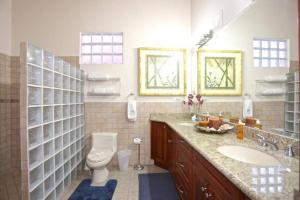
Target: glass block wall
55	123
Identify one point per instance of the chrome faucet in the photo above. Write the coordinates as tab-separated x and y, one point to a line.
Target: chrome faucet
264	142
289	151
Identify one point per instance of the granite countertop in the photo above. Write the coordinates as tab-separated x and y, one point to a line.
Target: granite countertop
257	182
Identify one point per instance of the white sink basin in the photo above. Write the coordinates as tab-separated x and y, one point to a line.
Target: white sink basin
248	155
186	124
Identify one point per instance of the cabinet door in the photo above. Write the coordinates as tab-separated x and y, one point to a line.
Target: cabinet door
210	184
184	157
159	144
184	190
200	185
171	150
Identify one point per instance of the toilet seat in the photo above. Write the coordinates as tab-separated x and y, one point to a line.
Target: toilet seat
99	156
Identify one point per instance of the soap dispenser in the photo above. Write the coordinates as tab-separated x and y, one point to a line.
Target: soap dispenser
240	130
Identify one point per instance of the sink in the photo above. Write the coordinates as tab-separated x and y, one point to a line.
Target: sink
248	155
186	123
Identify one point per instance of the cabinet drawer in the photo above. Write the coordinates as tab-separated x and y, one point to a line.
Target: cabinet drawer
184	164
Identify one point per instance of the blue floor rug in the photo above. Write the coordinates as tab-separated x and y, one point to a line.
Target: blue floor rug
85	191
157	186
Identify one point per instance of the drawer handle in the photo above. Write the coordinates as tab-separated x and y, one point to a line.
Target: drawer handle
180	190
208	195
181	141
170	141
203	188
180	164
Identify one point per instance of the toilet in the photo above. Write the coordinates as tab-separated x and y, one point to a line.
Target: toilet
104	147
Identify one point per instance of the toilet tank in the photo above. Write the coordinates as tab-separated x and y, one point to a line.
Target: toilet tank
105	140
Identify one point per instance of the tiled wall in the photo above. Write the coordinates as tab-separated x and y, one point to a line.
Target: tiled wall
9	113
270	113
111	116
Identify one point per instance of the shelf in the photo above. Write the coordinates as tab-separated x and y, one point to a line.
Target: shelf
107	78
271	81
293	82
103	94
269	94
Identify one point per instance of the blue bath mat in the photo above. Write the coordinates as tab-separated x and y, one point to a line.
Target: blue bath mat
157	186
85	191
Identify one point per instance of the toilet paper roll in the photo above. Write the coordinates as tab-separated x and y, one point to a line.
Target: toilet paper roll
137	140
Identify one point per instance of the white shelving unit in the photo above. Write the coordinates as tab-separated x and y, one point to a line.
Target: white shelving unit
291	118
268	88
103	86
55	123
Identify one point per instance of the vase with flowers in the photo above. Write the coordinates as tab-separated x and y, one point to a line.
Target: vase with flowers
194	103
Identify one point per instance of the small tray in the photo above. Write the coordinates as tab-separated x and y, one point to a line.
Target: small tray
211	131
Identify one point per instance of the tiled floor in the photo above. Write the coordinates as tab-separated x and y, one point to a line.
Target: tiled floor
127	187
10	186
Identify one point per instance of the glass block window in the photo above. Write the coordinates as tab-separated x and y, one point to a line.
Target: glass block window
270	53
101	48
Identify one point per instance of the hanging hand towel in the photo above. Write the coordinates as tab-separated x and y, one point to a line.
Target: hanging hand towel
131	110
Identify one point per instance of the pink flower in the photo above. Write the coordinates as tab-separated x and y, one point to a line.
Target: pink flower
200	99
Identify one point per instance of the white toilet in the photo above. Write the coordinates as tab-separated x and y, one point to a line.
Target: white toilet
104	147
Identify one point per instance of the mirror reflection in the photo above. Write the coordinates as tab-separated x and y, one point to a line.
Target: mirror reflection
270	99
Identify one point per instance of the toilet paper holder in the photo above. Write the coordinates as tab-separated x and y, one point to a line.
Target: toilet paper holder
138	142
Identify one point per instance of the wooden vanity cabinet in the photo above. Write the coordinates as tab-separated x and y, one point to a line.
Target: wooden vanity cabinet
159	144
195	178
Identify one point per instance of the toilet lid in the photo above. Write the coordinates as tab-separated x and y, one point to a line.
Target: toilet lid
98	156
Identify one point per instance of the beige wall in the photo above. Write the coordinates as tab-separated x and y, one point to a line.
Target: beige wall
5	24
257	21
170	23
213	14
55	25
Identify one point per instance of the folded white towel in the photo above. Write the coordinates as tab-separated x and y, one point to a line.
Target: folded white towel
104	90
131	110
276	78
93	76
273	91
